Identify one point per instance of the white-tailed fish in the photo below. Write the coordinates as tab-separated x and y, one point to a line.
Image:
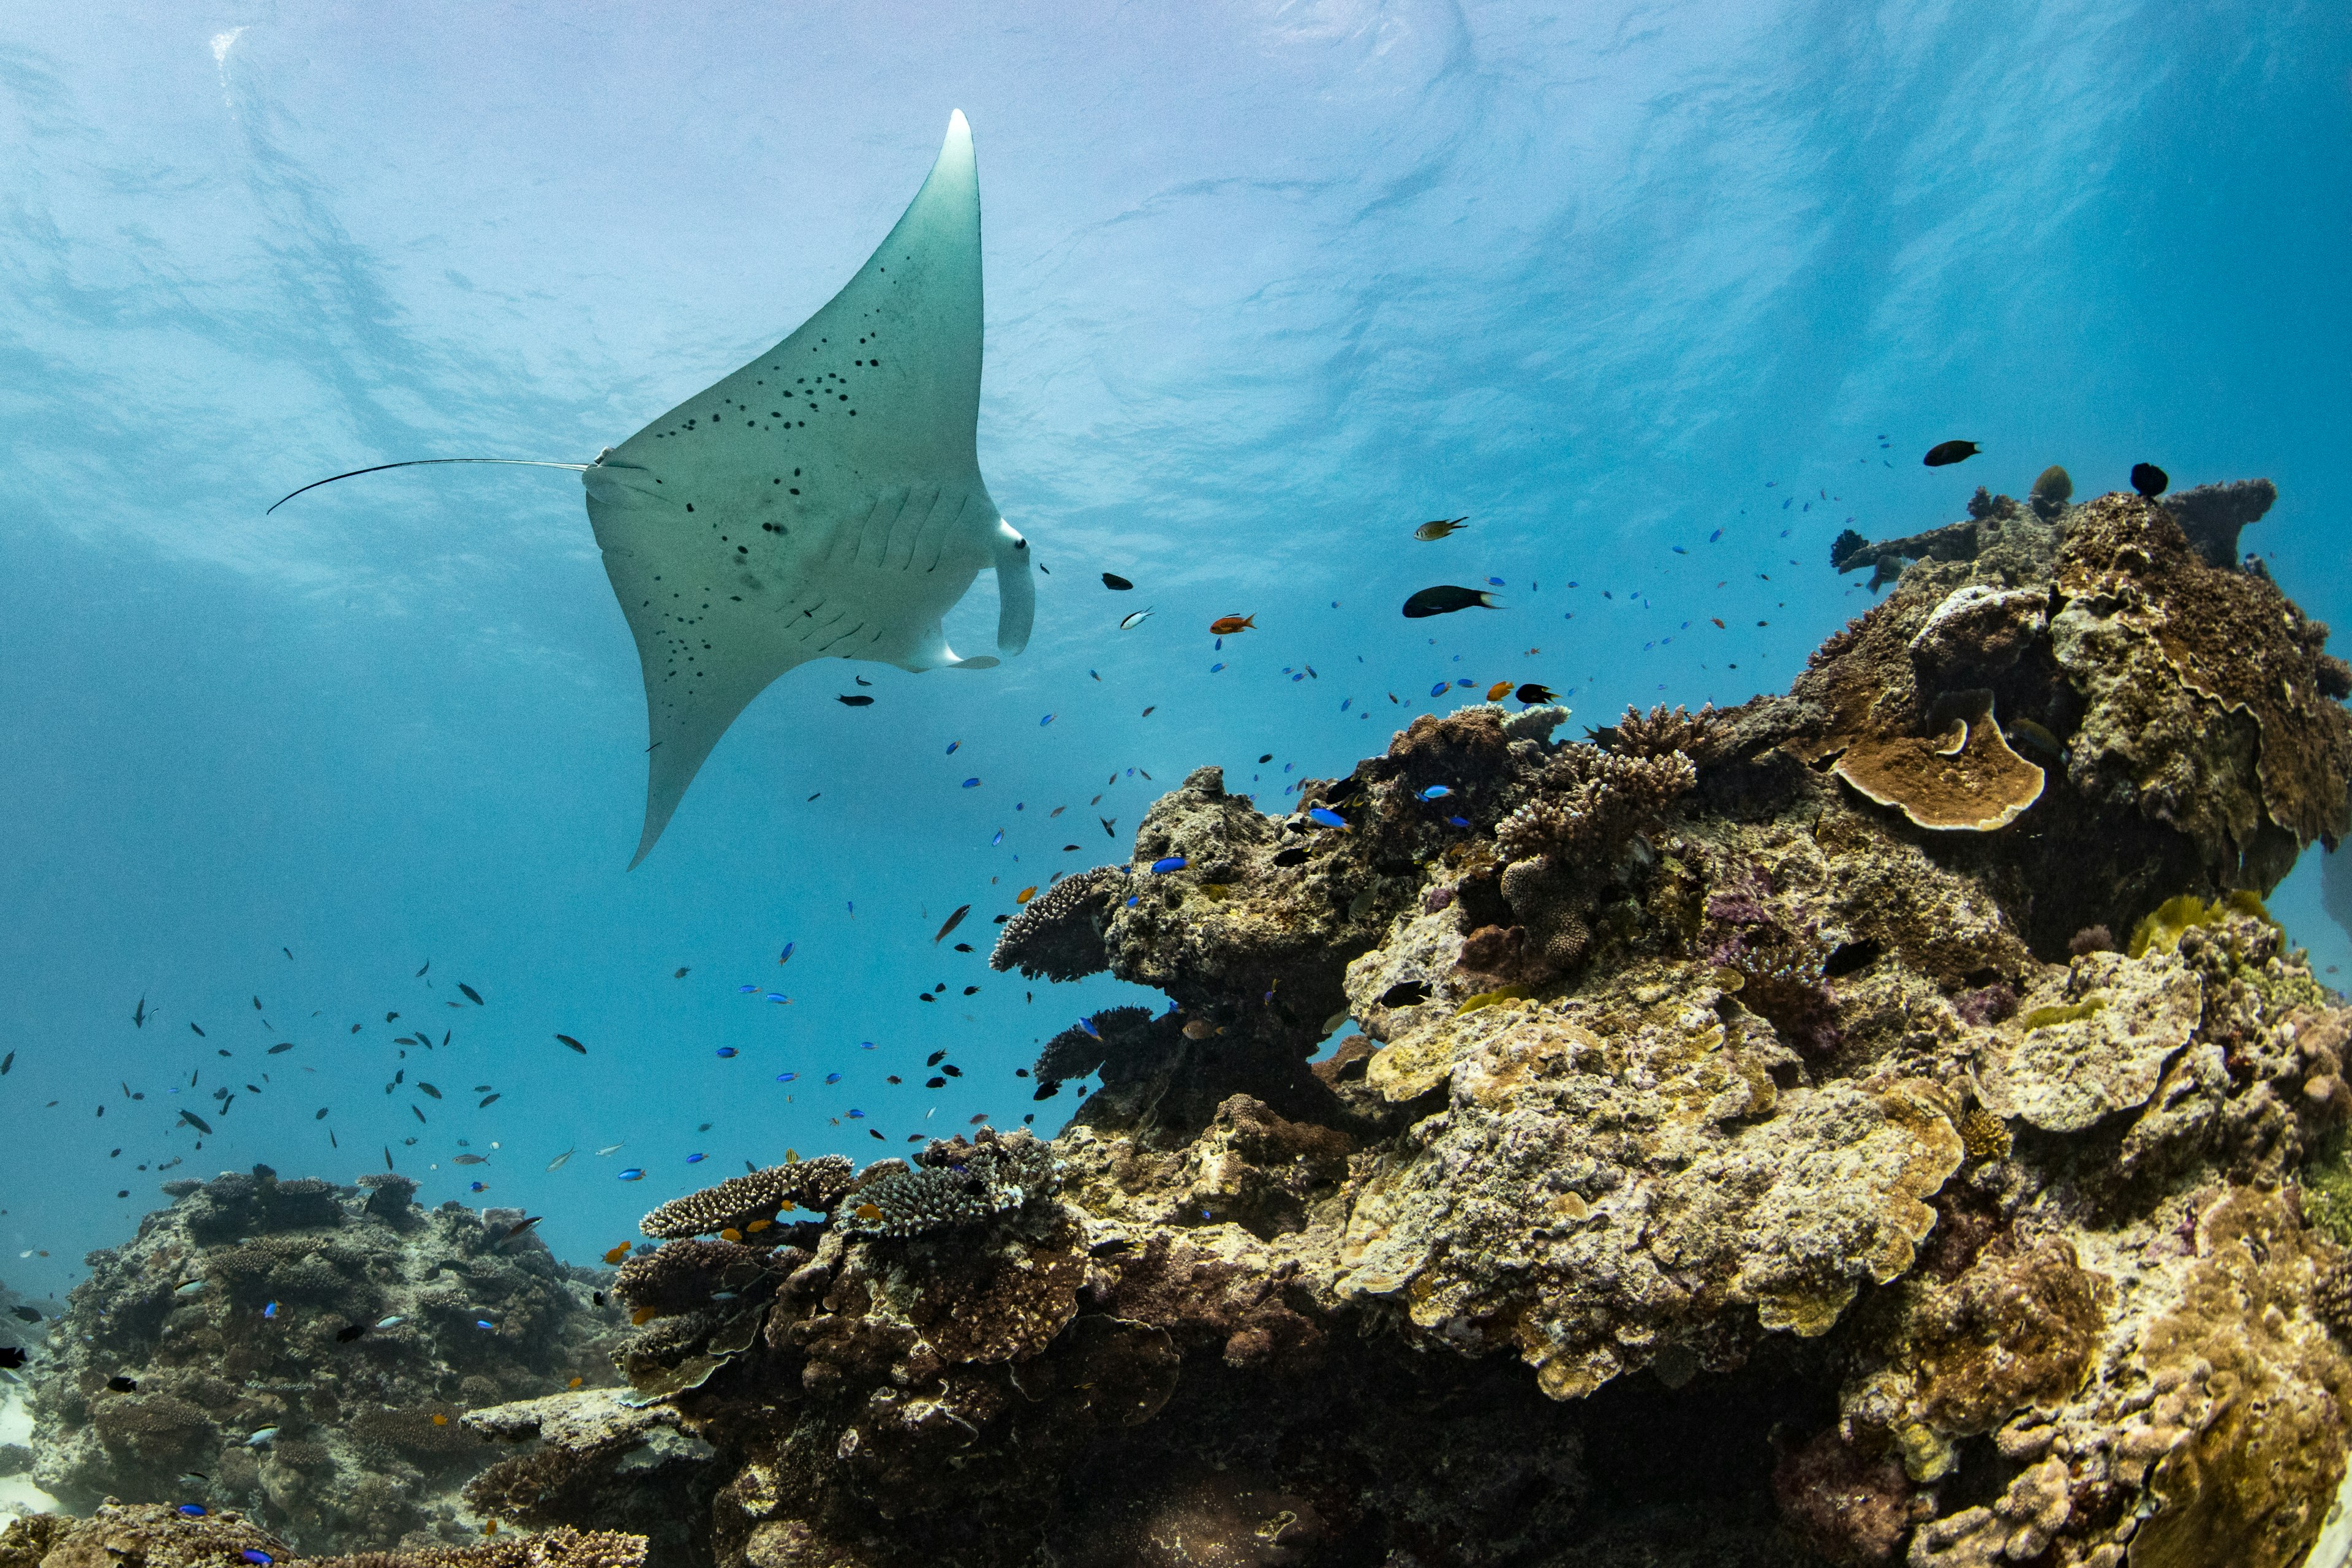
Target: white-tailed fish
1135	620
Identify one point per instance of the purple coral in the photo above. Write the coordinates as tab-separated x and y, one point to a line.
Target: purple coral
1987	1005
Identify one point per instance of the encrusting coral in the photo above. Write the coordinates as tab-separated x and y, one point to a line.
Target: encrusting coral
152	1535
1757	1149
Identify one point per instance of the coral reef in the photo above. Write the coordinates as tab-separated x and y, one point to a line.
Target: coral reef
214	1345
152	1535
1757	1148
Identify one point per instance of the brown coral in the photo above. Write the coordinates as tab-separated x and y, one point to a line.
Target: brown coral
1964	779
1058	935
739	1201
1590	799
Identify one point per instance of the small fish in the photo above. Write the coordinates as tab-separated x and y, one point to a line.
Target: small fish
1024	895
573	1044
428	1088
615	1254
393	1321
1199	1029
1435	792
1438	528
192	1509
608	1149
953	921
633	1175
1459	821
696	1159
198	1123
1133	621
346	1334
471	995
1444	599
1088	1026
520	1228
1294	856
855	701
681	972
200	1034
556	1163
11	1358
139	1015
1405	993
968	784
1227	626
25	1314
189	1287
1944	453
1533	692
122	1385
1109	825
725	1051
1497	691
262	1435
1719	622
257	1557
282	1045
1326	816
1045	721
832	1077
470	1160
1167	863
786	956
2150	480
478	1186
1115	583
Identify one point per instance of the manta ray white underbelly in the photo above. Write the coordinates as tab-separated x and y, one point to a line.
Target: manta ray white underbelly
823	502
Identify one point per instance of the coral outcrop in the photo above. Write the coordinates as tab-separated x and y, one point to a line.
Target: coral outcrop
1759	1148
306	1352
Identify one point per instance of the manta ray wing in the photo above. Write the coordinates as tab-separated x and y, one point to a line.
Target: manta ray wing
823	502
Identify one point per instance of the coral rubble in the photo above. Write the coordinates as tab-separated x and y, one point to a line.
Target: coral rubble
219	1344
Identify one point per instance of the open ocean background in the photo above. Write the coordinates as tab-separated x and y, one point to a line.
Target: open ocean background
1268	285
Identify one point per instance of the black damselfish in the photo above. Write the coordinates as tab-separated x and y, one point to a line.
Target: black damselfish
1444	599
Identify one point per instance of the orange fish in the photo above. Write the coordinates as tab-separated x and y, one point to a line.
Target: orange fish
492	1528
642	1315
618	1253
759	1225
439	1419
1497	691
1024	895
1226	625
869	1211
575	1383
730	1233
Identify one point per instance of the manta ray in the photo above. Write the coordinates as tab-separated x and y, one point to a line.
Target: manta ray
825	500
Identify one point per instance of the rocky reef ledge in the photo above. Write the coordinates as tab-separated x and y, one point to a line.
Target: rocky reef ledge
1878	1123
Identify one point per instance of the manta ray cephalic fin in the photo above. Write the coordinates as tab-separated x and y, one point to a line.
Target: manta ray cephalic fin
823	502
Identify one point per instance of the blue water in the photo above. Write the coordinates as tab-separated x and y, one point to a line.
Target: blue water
1267	286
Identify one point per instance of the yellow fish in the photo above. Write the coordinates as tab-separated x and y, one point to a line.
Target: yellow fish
575	1383
730	1233
869	1211
1024	895
641	1316
1497	691
759	1225
618	1253
439	1419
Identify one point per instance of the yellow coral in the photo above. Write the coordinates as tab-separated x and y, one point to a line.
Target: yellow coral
2073	1013
2175	917
1984	1135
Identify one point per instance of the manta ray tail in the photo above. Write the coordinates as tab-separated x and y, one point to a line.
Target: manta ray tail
422	463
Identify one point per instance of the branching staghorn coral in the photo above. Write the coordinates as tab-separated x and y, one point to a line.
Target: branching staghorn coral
739	1201
1661	730
1590	799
